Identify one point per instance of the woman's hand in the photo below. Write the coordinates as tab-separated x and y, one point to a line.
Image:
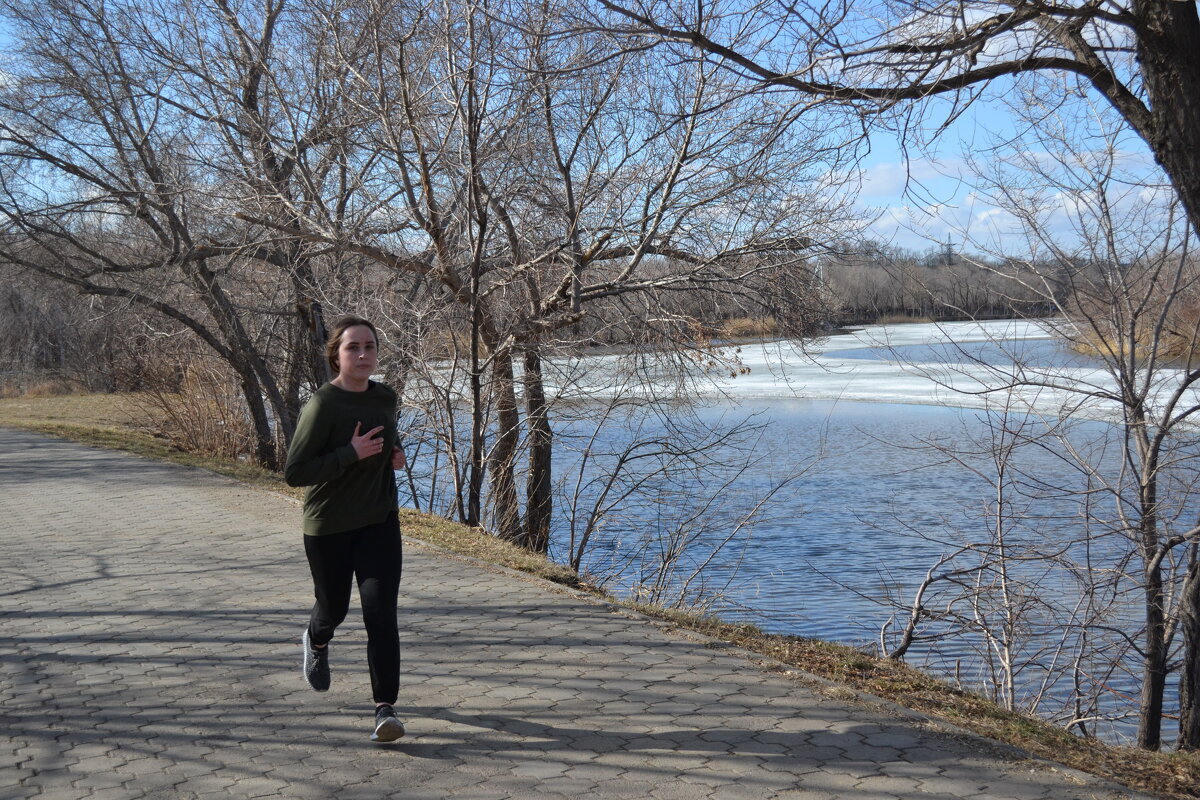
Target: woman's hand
398	459
365	446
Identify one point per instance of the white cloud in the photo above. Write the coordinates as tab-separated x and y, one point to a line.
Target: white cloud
994	215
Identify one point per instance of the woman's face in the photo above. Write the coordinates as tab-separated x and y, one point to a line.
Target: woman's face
357	354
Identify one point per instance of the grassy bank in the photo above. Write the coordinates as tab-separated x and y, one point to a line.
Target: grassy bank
118	422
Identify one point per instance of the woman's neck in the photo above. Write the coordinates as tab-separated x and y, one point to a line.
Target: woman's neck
350	384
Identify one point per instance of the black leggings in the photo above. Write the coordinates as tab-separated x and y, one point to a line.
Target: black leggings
372	554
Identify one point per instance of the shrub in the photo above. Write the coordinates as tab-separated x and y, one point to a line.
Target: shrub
198	407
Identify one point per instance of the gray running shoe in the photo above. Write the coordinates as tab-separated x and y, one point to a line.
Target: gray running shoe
316	665
387	727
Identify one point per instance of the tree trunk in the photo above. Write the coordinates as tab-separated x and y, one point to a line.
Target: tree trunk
1170	62
478	421
266	451
256	379
1154	666
1189	675
307	365
539	500
506	508
313	316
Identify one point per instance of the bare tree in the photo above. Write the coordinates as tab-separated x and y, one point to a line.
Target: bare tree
519	171
50	334
1121	268
482	172
874	283
1026	584
1138	55
131	135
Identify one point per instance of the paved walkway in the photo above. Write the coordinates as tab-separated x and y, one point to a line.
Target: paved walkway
152	616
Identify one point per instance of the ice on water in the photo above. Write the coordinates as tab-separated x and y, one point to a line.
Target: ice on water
836	368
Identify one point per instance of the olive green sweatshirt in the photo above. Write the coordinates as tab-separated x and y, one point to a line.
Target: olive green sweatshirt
344	492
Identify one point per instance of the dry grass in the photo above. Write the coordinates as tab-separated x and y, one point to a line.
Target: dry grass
749	328
900	319
120	422
1171	348
106	421
477	544
48	387
95	410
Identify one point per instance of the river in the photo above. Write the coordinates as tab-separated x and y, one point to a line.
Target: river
882	437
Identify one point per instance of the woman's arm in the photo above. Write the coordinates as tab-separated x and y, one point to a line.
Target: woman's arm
308	461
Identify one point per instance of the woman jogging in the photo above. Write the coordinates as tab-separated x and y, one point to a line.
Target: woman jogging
344	450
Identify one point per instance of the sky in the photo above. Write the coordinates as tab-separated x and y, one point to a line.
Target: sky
924	200
934	197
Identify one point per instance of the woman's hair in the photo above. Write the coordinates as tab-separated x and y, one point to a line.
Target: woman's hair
335	338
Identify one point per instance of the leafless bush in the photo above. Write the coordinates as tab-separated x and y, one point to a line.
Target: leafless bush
196	404
54	341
